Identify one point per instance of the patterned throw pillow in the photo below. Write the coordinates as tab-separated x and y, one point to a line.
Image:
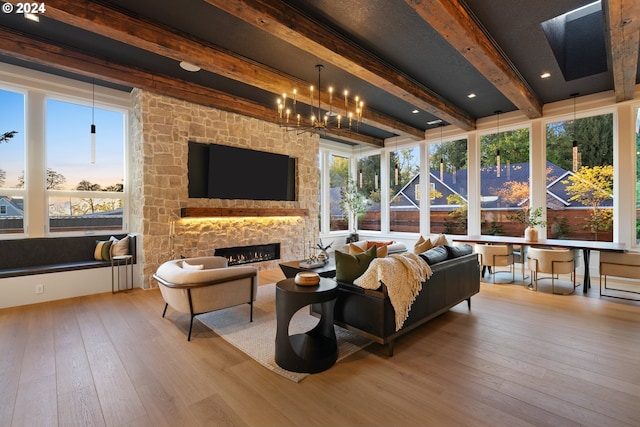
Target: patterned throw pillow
349	267
102	251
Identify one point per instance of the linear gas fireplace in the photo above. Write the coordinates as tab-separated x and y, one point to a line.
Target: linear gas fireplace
248	254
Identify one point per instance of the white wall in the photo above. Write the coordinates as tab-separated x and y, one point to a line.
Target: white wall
15	291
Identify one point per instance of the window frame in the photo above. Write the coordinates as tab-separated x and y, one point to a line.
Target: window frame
38	87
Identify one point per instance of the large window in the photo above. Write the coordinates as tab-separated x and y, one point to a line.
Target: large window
369	185
637	127
504	182
48	182
81	194
580	178
12	158
448	193
404	190
338	181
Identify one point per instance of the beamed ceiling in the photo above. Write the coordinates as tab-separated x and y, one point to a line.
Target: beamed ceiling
400	56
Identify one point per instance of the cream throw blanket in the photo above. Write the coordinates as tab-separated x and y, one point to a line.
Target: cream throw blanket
403	275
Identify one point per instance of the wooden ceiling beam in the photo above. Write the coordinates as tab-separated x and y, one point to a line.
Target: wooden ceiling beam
24	47
622	30
288	24
168	42
455	23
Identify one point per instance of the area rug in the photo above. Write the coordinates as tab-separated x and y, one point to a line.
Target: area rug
257	339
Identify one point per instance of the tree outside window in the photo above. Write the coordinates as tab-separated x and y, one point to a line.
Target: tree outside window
404	203
368	181
338	179
580	178
449	192
504	181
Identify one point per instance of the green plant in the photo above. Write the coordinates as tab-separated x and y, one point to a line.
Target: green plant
353	202
561	228
530	218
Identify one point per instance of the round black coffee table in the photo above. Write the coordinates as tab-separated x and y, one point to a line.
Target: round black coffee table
315	350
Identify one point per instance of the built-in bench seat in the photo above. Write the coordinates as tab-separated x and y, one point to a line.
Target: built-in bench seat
24	257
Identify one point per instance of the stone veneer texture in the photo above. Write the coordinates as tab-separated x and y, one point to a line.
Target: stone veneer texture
160	129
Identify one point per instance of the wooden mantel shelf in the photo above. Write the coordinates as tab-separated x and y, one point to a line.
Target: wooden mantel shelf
247	212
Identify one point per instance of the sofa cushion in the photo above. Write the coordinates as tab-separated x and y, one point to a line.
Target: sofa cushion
103	250
458	251
381	251
378	244
188	266
422	245
351	266
119	247
435	255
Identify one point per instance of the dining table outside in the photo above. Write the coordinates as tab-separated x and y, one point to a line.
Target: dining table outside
585	245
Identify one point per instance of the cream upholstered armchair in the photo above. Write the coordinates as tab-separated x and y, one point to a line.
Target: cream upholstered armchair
201	285
625	265
554	262
493	256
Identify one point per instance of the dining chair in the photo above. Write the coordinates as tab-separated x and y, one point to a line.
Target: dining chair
552	261
492	256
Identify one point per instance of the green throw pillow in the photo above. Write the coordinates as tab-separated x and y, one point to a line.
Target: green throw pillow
102	251
350	267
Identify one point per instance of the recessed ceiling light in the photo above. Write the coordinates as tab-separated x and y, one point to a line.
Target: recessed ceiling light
32	17
189	67
545	75
434	122
471	95
415	111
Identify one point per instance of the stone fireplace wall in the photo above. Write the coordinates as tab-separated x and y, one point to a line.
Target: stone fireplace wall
161	128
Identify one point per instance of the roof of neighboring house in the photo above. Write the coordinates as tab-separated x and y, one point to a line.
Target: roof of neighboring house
456	183
15	207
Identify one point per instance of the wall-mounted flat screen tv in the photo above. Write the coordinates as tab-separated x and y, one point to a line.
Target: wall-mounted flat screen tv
239	173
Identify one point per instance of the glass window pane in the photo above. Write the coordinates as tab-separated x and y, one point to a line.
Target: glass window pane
404	191
504	182
638	176
69	146
12	161
580	178
75	213
369	184
69	166
338	179
448	198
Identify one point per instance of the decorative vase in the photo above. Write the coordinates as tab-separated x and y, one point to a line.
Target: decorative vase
531	234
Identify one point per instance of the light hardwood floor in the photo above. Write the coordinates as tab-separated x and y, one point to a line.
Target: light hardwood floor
517	358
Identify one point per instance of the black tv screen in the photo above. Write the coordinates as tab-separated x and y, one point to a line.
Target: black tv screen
238	173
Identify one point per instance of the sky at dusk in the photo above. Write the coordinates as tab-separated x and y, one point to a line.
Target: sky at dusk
67	141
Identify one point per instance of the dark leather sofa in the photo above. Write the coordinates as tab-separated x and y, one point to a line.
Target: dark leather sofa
456	278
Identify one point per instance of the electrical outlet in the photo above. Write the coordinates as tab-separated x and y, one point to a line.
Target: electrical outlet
40	289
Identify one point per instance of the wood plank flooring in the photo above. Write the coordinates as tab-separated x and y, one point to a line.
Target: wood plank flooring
518	358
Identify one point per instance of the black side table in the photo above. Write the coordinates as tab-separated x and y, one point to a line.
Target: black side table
315	350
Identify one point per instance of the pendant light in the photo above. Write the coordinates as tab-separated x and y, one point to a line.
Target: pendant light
93	125
498	150
575	142
441	159
360	171
396	170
